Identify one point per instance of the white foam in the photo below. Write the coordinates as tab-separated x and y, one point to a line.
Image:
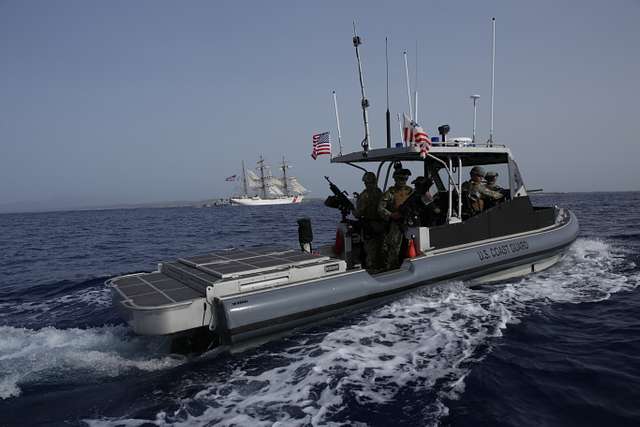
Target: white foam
93	296
100	297
428	341
51	355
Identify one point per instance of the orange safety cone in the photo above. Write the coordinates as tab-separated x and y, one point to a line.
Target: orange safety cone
411	249
338	247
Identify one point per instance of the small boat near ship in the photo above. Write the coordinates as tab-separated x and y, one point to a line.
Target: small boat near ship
261	188
227	299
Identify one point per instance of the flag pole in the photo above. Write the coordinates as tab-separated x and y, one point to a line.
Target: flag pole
401	130
335	104
406	71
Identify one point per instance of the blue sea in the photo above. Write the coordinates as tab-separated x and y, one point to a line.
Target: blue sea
559	347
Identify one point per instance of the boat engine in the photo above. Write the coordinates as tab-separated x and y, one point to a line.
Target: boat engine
305	234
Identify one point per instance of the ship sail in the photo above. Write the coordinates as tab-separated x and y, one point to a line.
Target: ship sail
292	187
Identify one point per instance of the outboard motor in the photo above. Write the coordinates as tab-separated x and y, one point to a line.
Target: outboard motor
305	234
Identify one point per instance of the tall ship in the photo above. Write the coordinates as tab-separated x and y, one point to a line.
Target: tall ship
261	188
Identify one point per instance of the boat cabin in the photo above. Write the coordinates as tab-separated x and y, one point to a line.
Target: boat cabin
444	164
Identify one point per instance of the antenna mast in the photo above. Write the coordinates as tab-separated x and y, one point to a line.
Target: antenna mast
493	75
335	104
388	116
365	102
415	92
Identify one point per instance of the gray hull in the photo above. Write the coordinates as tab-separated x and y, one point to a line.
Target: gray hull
244	294
249	316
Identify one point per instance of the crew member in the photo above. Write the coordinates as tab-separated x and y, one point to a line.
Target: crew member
420	210
476	191
490	181
389	210
373	226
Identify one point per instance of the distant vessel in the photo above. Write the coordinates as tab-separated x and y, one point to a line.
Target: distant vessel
262	188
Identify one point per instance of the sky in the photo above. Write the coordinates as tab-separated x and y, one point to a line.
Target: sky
134	102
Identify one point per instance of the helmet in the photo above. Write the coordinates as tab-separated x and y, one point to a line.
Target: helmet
422	182
491	175
478	171
369	177
404	173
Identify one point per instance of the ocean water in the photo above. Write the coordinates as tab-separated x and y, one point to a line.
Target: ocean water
560	347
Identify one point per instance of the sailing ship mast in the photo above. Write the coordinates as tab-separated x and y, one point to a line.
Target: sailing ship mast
284	177
263	185
244	179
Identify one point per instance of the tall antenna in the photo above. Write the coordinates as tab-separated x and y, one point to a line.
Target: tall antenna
388	116
406	71
335	104
365	102
493	75
475	103
415	92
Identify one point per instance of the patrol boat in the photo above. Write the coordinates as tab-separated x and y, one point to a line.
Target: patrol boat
244	293
227	299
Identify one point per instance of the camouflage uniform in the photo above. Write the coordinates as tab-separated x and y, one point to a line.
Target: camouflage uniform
390	202
494	187
490	178
372	225
478	193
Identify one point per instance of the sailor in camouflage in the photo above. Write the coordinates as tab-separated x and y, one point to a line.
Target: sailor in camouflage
372	224
490	181
389	210
477	192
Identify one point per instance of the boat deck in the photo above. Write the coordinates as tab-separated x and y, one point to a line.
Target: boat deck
153	290
187	279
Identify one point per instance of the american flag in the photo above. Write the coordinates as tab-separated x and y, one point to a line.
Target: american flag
230	178
414	135
321	145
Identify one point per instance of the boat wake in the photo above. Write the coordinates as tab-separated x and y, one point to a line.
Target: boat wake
68	356
419	348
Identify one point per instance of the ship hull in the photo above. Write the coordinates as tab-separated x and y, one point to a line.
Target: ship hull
280	306
250	316
257	201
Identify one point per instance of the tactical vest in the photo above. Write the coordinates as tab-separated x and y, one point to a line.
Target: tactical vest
400	195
